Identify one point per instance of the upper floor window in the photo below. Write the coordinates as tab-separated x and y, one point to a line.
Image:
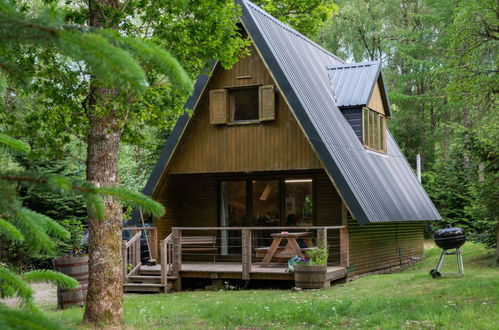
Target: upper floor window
242	104
373	130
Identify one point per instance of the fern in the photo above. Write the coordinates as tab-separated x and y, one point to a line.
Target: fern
63	281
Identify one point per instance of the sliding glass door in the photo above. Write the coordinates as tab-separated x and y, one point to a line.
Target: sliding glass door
263	202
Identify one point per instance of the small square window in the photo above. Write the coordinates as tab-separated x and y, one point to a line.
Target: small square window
243	104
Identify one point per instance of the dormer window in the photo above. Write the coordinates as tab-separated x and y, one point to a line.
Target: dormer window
373	130
240	105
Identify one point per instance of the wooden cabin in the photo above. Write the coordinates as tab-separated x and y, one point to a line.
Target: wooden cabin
291	139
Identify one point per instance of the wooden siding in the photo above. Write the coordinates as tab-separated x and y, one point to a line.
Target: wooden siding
381	245
354	118
376	102
263	146
328	202
189	200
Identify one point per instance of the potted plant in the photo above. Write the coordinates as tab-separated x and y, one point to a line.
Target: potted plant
74	263
310	272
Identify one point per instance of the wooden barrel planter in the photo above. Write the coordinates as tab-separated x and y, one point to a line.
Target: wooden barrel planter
77	268
310	277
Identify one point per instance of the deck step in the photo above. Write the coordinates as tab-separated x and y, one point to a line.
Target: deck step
143	287
142	278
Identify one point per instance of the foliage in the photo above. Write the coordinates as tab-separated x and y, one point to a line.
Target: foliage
388	301
315	257
306	16
440	63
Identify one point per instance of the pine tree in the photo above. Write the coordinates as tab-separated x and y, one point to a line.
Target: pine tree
110	57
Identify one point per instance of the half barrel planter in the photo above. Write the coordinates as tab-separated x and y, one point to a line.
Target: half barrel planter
310	277
77	268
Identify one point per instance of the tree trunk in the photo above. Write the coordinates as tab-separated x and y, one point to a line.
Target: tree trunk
104	305
105	290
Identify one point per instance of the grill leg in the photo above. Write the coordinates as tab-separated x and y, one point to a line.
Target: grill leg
440	261
460	262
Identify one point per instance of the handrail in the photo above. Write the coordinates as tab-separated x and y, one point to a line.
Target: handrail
133	239
166	260
152	236
131	256
261	228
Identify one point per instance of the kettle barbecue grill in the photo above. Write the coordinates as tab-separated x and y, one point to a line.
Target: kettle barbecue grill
448	239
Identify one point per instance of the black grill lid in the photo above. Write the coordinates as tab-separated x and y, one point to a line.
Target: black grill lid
450	238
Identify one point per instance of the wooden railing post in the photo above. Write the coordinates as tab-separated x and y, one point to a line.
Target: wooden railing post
344	249
164	265
177	251
246	253
125	259
137	252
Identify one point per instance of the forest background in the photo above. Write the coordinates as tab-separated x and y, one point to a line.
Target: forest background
440	61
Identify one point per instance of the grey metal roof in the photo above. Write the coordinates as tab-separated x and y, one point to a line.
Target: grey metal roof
353	83
376	187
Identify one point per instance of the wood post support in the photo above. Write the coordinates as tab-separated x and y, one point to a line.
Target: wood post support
125	259
246	253
344	248
177	251
164	275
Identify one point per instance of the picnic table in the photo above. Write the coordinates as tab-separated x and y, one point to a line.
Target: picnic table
291	248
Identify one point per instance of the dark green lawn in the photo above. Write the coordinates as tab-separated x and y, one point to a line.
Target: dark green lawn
410	300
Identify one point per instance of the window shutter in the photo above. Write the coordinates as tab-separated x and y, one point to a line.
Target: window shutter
218	106
266	102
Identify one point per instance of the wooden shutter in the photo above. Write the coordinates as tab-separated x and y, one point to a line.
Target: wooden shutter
219	106
266	102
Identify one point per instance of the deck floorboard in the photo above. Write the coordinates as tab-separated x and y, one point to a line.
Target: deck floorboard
234	270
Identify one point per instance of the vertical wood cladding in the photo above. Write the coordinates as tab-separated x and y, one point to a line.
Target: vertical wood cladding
263	146
376	102
381	245
328	202
189	200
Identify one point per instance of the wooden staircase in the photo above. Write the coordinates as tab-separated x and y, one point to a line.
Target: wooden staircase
142	278
148	280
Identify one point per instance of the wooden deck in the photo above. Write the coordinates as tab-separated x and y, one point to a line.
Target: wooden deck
234	270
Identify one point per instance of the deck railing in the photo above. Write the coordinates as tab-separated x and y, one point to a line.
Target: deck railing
240	244
131	256
166	247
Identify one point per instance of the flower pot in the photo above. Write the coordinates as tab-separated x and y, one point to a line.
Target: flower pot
77	268
310	277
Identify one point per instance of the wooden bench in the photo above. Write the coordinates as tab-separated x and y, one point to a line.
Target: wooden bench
199	244
281	252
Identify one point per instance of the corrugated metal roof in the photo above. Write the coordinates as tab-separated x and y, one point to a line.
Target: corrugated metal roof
375	186
353	83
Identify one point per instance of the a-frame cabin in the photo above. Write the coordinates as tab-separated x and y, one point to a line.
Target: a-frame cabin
291	139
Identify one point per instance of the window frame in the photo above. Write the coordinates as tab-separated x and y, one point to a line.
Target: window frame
282	194
374	135
232	108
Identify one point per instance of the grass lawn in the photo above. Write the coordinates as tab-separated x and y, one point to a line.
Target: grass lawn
410	300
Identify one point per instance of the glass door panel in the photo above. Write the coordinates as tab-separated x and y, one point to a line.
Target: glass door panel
234	213
299	204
